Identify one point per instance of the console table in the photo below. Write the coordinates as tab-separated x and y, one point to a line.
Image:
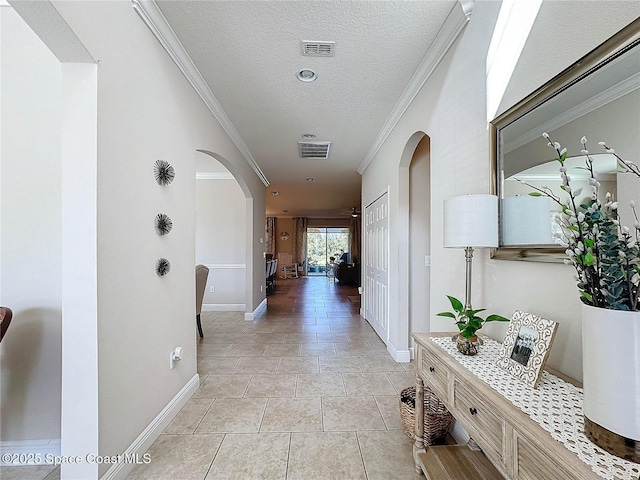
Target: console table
526	433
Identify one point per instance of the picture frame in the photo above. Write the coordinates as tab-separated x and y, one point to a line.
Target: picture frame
526	346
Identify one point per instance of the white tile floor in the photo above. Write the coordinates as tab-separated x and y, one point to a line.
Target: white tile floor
307	391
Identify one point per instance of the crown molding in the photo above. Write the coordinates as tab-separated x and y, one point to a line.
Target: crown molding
214	176
601	99
154	19
453	25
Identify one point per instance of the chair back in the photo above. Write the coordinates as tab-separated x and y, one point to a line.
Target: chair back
202	273
5	319
285	259
271	268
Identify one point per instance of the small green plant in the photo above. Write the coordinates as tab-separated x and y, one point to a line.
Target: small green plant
467	320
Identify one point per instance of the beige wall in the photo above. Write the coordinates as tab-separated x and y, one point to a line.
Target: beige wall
329	222
284	225
220	242
451	109
30	235
419	237
148	111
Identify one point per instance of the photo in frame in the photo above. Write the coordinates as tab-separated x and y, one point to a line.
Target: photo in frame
526	346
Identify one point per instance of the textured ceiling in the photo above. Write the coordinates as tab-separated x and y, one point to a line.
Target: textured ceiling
249	53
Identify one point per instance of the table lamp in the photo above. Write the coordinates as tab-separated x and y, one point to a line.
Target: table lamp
470	221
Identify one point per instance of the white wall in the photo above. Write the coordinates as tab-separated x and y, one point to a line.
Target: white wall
31	255
147	111
220	242
451	109
419	238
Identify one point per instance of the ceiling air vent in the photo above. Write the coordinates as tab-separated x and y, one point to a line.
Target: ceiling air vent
314	149
318	49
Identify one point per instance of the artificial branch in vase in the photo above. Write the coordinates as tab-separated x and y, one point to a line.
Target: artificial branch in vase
605	254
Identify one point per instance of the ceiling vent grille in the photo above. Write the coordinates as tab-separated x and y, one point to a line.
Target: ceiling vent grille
314	149
318	49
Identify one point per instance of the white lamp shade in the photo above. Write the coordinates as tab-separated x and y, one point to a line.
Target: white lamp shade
526	220
471	221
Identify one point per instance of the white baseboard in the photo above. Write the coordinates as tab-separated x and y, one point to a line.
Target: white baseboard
259	309
140	445
362	312
400	356
33	452
412	353
223	307
459	434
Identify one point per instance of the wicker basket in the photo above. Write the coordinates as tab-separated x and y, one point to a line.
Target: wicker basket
437	418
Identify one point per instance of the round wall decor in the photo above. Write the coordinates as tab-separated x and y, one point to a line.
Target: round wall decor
284	236
163	267
163	224
164	172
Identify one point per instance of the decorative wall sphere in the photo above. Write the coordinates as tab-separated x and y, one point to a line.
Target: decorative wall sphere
164	172
163	224
163	267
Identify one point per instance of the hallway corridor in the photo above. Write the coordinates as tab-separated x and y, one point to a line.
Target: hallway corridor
307	391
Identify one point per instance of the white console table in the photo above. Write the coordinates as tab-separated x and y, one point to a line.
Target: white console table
526	433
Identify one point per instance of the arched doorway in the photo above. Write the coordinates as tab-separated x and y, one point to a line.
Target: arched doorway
415	237
248	234
220	235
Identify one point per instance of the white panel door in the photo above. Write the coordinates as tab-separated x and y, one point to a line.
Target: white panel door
377	266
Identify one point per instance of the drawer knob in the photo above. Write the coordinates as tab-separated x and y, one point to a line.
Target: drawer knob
431	369
472	410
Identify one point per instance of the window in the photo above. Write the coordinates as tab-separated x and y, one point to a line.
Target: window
324	243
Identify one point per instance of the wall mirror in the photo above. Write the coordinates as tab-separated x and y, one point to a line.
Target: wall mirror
597	97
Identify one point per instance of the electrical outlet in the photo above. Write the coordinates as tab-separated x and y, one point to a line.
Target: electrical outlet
175	356
260	287
212	289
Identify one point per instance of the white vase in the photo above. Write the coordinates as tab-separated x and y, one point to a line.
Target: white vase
611	379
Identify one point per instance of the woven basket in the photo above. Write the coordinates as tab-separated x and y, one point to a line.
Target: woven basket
437	418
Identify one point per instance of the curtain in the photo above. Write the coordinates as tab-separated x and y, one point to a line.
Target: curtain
354	238
299	239
270	235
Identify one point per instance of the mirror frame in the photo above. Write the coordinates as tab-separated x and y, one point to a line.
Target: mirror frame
618	44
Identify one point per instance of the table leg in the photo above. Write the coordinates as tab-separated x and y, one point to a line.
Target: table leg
418	446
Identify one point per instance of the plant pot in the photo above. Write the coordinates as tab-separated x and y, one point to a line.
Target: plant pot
467	346
611	380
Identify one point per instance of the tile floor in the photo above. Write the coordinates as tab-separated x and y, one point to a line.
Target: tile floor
307	391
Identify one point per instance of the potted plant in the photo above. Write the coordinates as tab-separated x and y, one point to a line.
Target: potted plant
468	323
606	257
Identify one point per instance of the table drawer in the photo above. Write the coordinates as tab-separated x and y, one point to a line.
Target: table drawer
487	427
434	374
532	463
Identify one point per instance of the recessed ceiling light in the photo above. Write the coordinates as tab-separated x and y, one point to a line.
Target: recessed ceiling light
307	75
308	135
285	211
309	179
275	193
